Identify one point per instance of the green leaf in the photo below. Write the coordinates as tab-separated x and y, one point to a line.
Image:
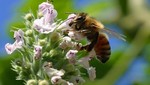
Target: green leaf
82	54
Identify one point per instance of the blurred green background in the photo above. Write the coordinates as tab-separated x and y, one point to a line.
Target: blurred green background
130	61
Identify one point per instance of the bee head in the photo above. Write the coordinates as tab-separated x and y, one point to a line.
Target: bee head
77	21
81	17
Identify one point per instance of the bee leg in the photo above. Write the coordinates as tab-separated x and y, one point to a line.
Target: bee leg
88	47
84	47
93	40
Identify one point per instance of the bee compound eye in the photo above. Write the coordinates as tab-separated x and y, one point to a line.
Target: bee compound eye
70	24
80	18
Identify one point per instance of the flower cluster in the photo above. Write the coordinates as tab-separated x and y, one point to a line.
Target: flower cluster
48	56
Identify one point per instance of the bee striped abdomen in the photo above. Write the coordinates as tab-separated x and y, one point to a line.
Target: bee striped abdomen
102	48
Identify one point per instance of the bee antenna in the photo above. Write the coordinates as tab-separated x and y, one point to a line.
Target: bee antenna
70	13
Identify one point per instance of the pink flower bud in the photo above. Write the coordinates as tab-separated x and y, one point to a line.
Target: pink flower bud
37	52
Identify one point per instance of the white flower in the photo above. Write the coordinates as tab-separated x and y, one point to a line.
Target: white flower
10	48
67	39
66	42
77	80
46	23
55	72
51	71
92	73
37	52
56	80
18	36
43	27
75	35
48	12
84	62
65	24
71	56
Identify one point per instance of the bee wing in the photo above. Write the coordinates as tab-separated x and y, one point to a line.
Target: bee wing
117	35
108	31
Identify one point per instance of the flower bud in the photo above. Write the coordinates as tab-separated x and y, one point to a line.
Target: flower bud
28	16
55	37
29	40
27	65
69	67
40	14
43	82
29	33
37	52
53	52
42	42
32	82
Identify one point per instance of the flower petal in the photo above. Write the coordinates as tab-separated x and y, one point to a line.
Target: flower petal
72	16
65	24
51	71
84	62
10	48
18	35
75	35
66	42
71	54
92	73
45	5
56	80
39	25
50	15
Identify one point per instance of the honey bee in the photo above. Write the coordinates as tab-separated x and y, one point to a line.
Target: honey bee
95	32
